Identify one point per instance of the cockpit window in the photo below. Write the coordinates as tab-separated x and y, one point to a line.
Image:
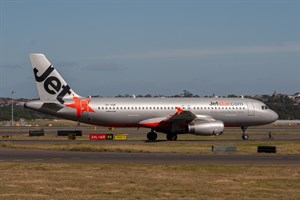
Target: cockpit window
264	107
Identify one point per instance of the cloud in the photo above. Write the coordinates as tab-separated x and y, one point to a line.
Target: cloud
104	67
287	48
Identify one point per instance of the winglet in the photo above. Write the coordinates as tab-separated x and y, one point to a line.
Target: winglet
179	110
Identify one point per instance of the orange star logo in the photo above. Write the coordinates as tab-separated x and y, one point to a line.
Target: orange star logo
179	110
81	106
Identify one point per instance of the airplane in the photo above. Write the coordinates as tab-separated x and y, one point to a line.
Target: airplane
171	116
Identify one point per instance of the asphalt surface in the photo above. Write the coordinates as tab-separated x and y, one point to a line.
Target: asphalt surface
45	156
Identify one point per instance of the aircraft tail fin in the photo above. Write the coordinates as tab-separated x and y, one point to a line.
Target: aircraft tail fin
51	86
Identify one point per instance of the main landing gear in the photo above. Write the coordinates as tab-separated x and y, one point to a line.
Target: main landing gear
152	136
245	136
172	137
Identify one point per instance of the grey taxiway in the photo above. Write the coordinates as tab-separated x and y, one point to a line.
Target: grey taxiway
46	156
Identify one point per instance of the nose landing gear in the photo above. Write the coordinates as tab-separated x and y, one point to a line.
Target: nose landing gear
245	136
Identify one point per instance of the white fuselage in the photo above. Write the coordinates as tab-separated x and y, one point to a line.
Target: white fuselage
129	112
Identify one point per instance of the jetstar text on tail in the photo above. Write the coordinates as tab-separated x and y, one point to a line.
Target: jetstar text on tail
52	84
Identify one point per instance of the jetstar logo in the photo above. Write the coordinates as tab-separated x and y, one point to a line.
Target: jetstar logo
179	110
52	84
81	106
226	103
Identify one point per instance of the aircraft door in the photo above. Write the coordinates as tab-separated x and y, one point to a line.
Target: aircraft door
251	109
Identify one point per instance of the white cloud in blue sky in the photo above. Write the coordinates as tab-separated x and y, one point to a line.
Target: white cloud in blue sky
290	48
158	47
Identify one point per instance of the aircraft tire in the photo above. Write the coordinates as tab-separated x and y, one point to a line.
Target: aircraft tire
152	136
245	136
171	137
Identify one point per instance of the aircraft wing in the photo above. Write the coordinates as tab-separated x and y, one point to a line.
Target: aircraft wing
182	116
174	122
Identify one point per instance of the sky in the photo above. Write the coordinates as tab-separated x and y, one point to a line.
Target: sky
155	47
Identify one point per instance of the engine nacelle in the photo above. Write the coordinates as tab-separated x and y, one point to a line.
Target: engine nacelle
200	127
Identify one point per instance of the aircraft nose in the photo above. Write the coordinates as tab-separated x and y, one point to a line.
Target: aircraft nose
274	116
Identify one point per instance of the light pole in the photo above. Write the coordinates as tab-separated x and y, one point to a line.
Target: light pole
12	108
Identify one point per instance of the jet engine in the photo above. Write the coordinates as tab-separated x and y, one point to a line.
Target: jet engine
200	127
